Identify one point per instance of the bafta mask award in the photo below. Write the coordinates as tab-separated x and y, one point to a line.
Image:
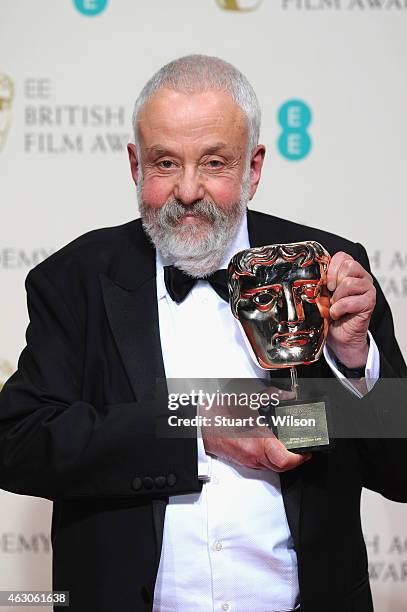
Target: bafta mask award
278	294
6	101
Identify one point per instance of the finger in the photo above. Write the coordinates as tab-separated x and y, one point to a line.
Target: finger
278	469
243	451
351	286
350	268
354	304
333	268
290	464
251	453
280	459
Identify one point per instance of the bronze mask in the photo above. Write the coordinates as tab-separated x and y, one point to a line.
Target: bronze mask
279	295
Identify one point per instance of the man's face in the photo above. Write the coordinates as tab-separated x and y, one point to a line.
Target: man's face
193	152
193	146
284	313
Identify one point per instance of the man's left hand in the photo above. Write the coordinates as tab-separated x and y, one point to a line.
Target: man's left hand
352	302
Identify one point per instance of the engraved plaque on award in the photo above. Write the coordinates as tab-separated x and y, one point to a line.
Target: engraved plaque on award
278	294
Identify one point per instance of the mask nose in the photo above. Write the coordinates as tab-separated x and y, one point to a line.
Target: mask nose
292	312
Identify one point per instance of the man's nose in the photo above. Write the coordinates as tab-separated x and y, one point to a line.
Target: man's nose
189	186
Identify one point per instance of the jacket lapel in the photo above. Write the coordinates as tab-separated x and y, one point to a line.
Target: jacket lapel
264	230
130	299
261	229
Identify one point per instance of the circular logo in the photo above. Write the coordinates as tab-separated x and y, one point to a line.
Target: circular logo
239	5
90	8
294	145
294	142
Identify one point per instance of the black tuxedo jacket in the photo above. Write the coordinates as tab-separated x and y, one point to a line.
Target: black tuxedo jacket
77	426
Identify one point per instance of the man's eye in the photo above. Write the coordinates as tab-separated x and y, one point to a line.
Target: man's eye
214	163
166	164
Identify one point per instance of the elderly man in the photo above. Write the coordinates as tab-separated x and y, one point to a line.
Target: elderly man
143	522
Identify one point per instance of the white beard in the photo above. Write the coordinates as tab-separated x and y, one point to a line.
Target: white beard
196	248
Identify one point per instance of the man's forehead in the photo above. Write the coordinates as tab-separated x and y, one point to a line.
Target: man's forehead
193	115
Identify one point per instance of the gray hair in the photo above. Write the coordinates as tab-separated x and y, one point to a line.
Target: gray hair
198	73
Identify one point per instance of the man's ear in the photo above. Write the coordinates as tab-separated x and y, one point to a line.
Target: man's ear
256	165
133	159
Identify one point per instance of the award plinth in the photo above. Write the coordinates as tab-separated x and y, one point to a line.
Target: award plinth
301	425
278	294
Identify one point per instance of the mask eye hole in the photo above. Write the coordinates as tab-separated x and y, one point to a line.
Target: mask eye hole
264	299
310	293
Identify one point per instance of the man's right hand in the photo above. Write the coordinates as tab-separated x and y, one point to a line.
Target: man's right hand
259	448
259	453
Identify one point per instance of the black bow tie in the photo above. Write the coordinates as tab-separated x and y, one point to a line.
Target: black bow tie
180	284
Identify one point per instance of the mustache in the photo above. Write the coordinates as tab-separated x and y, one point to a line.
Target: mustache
173	211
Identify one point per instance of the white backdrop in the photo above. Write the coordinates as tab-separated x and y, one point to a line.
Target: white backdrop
68	80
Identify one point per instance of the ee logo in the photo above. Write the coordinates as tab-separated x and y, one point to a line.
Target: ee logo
294	142
90	8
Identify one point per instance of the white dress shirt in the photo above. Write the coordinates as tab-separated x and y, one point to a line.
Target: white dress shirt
228	547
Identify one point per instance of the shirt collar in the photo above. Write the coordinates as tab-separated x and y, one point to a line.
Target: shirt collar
240	242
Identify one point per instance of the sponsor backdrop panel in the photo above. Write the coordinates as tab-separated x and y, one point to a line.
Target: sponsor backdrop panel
331	76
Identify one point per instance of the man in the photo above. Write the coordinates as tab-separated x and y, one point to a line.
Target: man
142	522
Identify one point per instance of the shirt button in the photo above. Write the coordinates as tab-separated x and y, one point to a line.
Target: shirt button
225	606
217	546
215	480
